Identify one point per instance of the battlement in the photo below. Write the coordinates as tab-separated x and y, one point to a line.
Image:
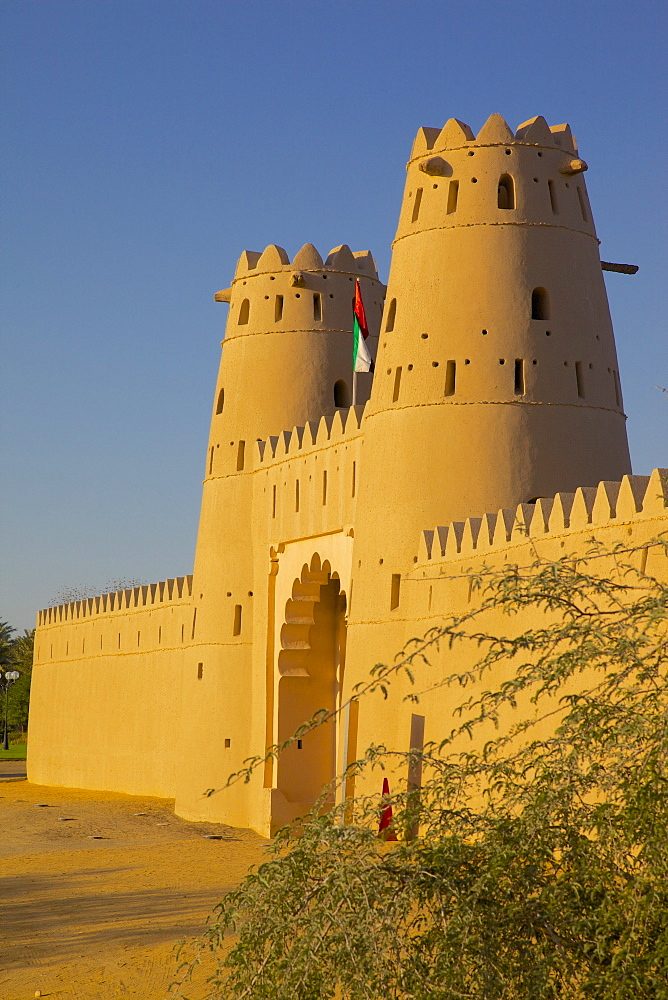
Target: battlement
634	498
329	430
170	591
456	134
275	258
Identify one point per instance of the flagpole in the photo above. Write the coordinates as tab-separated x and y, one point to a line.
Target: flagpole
354	388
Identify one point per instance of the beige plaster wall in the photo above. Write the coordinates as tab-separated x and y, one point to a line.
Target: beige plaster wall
106	690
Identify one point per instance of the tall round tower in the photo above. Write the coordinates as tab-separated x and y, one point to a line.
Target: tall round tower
496	377
287	359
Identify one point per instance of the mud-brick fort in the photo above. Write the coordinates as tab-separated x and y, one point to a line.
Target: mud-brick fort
330	534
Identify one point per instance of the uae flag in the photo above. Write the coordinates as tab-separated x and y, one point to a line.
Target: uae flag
362	360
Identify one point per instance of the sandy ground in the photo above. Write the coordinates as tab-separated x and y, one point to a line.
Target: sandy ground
97	888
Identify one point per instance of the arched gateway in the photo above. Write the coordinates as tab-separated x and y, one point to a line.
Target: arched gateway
310	664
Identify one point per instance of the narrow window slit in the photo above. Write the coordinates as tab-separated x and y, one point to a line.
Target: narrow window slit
519	377
324	488
391	315
395	591
221	401
453	194
397	385
236	627
278	308
317	307
450	377
583	204
241	455
553	197
579	378
416	205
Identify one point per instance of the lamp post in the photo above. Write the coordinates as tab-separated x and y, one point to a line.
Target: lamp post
7	679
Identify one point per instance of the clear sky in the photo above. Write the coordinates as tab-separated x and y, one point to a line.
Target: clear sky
148	142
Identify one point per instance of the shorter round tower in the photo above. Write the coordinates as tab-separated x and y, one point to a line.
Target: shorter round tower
286	359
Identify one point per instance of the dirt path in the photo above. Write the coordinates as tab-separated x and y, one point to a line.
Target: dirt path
98	887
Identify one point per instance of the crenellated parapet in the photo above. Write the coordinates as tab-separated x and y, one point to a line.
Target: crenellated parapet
329	431
634	498
306	480
177	589
271	293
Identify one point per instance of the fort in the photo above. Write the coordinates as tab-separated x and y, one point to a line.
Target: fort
492	429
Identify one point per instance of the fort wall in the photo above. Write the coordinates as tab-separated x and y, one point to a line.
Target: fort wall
105	697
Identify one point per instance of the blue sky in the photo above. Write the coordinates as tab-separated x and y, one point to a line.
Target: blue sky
147	143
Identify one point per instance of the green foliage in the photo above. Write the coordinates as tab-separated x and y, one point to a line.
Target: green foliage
541	867
16	653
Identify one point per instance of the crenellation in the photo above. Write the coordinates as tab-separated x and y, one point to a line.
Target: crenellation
536	131
634	498
495	130
113	602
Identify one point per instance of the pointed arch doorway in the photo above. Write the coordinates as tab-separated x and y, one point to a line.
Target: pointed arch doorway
311	663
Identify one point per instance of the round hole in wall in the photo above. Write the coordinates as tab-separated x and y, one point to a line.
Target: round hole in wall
502	361
297	295
567	184
471	153
243	282
563	544
250	593
629	531
350	279
540	154
474	180
435	185
229	593
508	152
484	333
266	296
548	333
389	371
410	193
535	180
380	562
331	295
410	368
434	364
534	362
425	336
565	364
414	558
271	278
590	365
324	277
467	361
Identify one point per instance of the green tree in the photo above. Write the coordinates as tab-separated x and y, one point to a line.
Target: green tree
541	867
22	651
